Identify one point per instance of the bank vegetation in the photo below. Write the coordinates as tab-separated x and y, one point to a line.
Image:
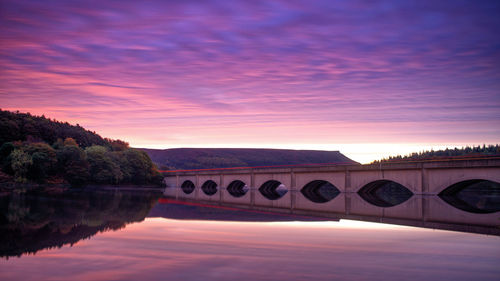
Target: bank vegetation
36	149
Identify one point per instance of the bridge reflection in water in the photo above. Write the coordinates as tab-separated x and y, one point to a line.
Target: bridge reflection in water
460	195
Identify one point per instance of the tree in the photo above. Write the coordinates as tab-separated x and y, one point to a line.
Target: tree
6	149
21	162
6	158
40	168
72	161
58	144
156	176
102	167
24	126
70	141
118	145
29	136
136	166
44	160
9	130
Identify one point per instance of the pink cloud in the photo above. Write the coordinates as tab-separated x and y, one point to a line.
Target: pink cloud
214	73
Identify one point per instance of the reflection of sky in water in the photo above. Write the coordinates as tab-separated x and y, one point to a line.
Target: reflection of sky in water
206	250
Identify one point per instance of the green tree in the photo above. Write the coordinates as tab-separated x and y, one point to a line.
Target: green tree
58	144
40	167
44	160
72	161
102	167
156	176
6	158
136	166
21	162
9	130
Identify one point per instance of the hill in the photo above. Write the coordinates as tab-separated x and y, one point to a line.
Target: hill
35	149
207	158
16	126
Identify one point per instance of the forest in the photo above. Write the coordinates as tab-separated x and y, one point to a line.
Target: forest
36	149
468	151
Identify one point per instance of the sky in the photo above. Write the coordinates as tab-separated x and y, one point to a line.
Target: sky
368	78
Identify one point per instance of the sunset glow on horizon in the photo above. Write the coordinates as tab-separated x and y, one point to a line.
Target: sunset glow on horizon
368	79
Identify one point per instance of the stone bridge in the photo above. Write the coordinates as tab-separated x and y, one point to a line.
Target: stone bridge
311	189
427	177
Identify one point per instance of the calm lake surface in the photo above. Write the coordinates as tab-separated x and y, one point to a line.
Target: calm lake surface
130	235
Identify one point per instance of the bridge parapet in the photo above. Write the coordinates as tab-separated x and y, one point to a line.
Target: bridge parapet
428	177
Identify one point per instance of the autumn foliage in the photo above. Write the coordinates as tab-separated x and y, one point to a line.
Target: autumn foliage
37	149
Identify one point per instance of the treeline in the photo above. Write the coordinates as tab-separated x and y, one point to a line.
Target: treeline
88	158
446	153
15	126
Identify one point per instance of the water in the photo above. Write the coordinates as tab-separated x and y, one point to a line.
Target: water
126	235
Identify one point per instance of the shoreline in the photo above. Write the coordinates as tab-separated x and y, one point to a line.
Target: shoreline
23	187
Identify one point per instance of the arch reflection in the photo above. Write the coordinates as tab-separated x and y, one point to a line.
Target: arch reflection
237	188
187	187
473	196
273	189
320	191
385	193
209	187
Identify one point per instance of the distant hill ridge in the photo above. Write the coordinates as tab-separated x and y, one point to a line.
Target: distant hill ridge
208	158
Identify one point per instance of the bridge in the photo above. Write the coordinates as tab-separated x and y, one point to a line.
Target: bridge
328	190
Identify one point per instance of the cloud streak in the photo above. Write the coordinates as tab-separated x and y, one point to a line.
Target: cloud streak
171	66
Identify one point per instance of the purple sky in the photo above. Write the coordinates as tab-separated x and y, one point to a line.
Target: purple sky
392	76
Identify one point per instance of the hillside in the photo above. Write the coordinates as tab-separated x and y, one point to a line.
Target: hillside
16	126
206	158
36	149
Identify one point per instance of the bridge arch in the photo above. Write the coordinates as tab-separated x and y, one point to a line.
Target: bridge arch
320	191
188	187
439	184
237	188
209	187
273	189
385	193
473	196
